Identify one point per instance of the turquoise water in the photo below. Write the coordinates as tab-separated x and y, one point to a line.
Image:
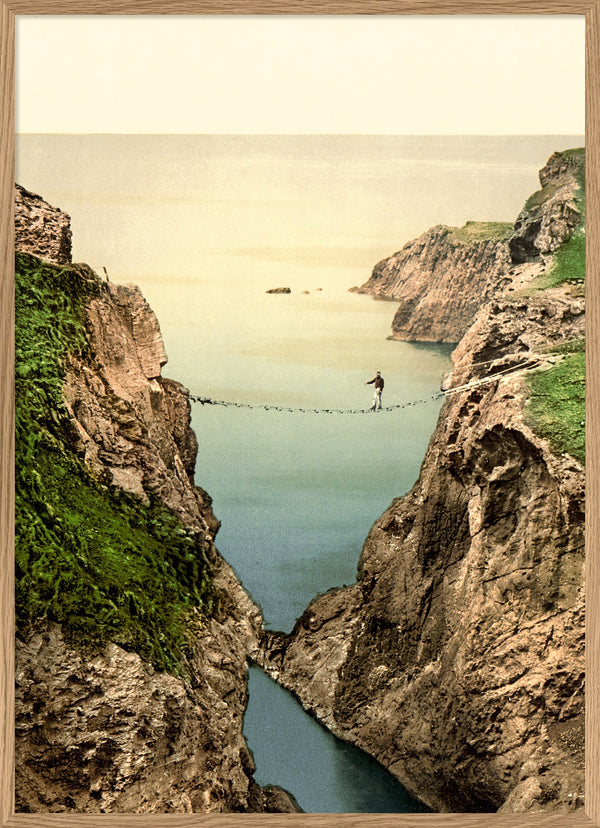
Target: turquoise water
205	225
297	493
325	774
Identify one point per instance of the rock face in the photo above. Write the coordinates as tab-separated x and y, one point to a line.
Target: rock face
41	229
442	278
550	216
108	733
130	424
457	659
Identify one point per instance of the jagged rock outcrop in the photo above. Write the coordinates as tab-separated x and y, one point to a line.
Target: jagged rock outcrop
109	734
442	278
550	215
457	659
106	732
41	229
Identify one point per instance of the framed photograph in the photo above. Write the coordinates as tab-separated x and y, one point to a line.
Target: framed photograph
299	414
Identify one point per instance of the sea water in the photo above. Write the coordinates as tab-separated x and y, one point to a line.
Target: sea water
205	225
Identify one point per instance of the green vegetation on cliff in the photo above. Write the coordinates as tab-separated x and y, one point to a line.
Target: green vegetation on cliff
569	263
556	405
577	158
569	260
481	231
88	556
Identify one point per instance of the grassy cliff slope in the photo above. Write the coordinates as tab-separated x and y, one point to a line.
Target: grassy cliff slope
88	556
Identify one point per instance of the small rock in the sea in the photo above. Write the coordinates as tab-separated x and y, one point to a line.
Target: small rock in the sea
306	291
280	290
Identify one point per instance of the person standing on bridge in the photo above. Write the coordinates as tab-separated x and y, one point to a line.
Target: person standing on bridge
378	383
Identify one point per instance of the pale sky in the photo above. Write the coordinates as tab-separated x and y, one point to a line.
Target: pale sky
480	75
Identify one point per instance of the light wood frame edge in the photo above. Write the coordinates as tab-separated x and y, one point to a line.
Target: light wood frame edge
8	10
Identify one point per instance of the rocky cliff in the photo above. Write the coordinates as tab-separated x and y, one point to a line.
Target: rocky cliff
40	228
111	713
550	216
457	658
441	279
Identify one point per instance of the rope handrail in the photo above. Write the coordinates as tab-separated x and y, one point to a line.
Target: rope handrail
308	410
526	366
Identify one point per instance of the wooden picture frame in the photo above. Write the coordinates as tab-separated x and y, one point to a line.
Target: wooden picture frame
8	9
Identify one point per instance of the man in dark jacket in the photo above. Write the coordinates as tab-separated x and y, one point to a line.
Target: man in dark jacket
377	382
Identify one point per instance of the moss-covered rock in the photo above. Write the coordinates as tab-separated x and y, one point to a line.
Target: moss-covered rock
89	556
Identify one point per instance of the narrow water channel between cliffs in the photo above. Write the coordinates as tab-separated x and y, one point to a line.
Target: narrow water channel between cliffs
297	494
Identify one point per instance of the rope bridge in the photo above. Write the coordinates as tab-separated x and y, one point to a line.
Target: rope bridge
525	366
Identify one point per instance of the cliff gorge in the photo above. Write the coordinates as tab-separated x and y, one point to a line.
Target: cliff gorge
457	658
133	633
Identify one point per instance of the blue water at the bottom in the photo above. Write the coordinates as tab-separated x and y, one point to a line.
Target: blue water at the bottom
324	774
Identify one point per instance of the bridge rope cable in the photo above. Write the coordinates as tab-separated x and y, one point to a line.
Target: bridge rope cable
526	366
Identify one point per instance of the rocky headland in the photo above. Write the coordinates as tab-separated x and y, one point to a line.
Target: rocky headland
442	279
457	658
112	715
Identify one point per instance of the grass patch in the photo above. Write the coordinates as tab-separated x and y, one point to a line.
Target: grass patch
568	265
88	556
573	346
577	153
474	231
555	408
